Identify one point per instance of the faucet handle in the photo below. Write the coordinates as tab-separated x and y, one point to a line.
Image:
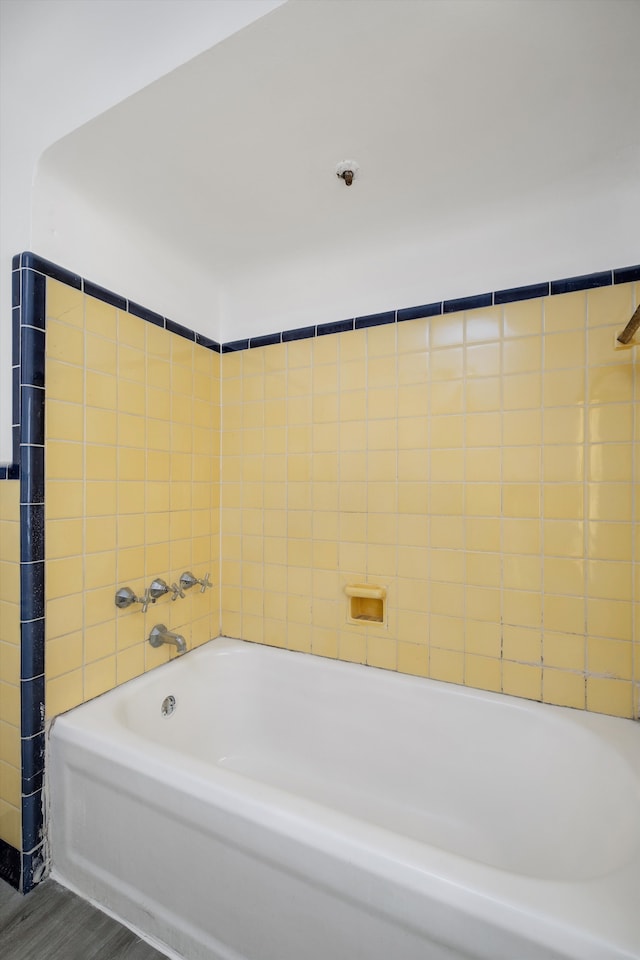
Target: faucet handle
146	599
187	580
157	589
125	597
177	591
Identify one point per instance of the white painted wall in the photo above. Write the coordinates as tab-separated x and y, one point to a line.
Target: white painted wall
64	62
587	224
122	254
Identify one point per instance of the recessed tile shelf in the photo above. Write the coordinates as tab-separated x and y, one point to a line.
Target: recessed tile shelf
366	603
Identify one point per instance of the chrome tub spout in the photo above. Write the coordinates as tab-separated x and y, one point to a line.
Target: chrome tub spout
160	635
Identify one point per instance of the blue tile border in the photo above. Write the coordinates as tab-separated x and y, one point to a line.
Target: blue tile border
234	346
101	293
32	296
626	274
28	381
32	410
32	822
10	864
531	292
31	648
32	533
33	754
181	331
33	867
300	333
31	463
47	268
468	303
32	601
340	326
268	340
15	336
419	313
31	355
149	315
587	281
375	320
207	342
31	706
15	286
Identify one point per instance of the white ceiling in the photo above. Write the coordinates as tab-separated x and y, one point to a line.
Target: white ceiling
452	108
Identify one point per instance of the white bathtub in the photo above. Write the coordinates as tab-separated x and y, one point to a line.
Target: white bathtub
295	808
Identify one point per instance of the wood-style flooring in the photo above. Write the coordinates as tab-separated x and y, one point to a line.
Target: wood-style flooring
52	923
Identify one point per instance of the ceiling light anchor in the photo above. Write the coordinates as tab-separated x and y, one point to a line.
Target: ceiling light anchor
347	170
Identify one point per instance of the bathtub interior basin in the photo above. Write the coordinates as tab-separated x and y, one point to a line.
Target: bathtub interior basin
515	815
438	768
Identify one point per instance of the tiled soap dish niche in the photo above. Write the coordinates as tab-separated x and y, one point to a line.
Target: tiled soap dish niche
366	603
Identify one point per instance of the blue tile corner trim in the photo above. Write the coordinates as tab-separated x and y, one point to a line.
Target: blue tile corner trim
32	707
33	754
32	297
32	821
28	359
48	269
31	648
31	534
10	864
33	864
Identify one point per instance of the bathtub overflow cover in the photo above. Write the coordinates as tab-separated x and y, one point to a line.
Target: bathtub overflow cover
168	706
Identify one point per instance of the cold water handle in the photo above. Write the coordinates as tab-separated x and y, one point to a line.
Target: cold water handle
187	580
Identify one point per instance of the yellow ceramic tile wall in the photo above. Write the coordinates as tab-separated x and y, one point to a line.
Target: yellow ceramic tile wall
10	801
132	470
479	466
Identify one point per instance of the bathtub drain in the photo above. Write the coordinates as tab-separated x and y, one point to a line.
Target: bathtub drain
168	706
